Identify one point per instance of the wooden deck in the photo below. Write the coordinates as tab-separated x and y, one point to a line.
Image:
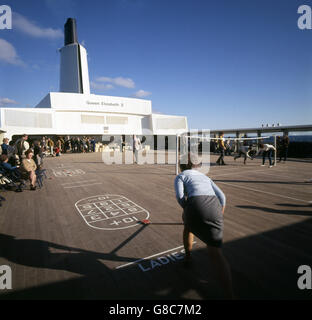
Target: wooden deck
54	253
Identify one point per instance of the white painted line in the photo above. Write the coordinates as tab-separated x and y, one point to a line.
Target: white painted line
235	170
61	167
126	208
154	255
242	173
270	193
121	208
77	182
98	220
81	185
115	217
101	211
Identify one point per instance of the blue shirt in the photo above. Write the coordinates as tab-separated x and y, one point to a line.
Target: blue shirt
4	148
7	166
191	183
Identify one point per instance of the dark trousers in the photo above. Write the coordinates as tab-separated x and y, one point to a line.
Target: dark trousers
269	154
221	158
240	154
283	154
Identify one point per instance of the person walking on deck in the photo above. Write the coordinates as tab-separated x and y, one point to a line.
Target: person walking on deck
222	149
284	148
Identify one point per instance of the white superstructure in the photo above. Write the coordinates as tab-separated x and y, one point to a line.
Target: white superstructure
75	111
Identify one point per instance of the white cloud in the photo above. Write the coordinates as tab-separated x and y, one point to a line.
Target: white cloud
123	82
141	94
101	86
6	101
118	81
8	53
24	25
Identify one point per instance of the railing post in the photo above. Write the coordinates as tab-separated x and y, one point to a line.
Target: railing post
177	154
275	152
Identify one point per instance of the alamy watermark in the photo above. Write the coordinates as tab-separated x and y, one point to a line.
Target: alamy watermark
304	21
305	280
160	149
5	277
5	17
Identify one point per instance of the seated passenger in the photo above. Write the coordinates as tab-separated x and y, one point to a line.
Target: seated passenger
29	167
5	145
6	165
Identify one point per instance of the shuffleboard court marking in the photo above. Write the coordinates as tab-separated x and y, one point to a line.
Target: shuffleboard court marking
234	166
110	212
261	191
280	176
73	182
263	172
60	167
120	215
67	172
149	257
235	173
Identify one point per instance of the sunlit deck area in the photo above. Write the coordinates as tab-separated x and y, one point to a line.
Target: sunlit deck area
80	236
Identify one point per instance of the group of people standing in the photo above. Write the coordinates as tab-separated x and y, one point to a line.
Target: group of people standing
68	144
265	149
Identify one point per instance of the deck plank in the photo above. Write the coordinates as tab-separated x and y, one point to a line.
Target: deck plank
55	254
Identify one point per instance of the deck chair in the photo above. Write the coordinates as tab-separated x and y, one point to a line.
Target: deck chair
4	182
12	179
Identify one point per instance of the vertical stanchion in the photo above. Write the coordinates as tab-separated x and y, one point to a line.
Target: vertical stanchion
177	154
275	152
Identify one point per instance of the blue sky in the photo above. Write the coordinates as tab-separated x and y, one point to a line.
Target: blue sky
222	63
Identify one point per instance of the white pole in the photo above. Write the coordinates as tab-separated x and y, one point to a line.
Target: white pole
275	152
177	154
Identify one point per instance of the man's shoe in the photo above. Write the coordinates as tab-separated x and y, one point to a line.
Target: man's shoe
33	187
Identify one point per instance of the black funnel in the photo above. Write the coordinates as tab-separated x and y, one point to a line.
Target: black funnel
70	31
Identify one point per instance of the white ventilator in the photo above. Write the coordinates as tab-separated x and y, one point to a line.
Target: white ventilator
74	74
